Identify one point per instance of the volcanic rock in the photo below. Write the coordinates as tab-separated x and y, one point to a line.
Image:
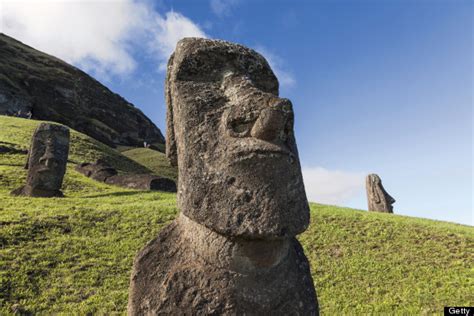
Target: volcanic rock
39	86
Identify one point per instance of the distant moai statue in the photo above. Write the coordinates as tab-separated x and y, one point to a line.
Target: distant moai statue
377	198
232	250
46	162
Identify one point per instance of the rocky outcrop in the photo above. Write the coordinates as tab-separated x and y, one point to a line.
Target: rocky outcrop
36	85
103	172
47	159
233	249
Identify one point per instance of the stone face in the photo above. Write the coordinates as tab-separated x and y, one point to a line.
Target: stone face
36	85
232	250
236	148
377	198
47	159
103	172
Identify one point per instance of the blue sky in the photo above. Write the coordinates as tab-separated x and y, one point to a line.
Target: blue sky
377	86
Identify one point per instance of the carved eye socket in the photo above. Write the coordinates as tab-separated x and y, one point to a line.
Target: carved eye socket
241	128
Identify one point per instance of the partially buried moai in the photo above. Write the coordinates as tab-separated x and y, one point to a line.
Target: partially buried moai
47	158
232	249
377	198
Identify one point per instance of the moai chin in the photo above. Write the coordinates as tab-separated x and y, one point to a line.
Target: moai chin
377	198
47	158
232	249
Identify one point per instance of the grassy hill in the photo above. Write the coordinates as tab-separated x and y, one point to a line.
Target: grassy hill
73	255
153	160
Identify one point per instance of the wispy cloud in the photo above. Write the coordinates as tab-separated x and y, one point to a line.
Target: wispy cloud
285	77
223	8
98	36
332	186
168	30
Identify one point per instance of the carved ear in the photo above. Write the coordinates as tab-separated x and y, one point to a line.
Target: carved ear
171	152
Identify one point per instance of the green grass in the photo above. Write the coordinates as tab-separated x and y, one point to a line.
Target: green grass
17	132
73	255
380	263
153	160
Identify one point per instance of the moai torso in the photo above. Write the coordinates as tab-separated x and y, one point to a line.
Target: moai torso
232	250
377	198
47	159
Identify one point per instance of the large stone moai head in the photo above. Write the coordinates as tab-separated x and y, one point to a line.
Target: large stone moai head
47	160
377	198
232	139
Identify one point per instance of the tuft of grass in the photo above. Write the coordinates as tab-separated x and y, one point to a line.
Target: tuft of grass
73	255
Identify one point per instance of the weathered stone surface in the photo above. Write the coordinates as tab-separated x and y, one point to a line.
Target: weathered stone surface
232	249
191	270
40	86
237	152
377	198
47	159
103	172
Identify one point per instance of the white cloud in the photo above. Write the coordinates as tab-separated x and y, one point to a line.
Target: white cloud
222	7
332	186
168	31
285	78
99	36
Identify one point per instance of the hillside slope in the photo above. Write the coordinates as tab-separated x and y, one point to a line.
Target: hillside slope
49	88
73	255
16	133
153	160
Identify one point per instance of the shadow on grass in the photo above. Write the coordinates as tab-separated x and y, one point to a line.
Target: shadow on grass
126	193
12	164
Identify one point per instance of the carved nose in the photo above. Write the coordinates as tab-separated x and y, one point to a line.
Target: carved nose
48	160
272	121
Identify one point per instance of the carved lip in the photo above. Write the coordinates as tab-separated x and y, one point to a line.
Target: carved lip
264	154
44	169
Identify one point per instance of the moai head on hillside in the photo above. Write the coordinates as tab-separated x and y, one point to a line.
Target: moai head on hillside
232	139
100	170
377	198
47	160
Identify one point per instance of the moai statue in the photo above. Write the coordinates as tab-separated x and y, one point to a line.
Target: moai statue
232	249
99	171
46	163
377	198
